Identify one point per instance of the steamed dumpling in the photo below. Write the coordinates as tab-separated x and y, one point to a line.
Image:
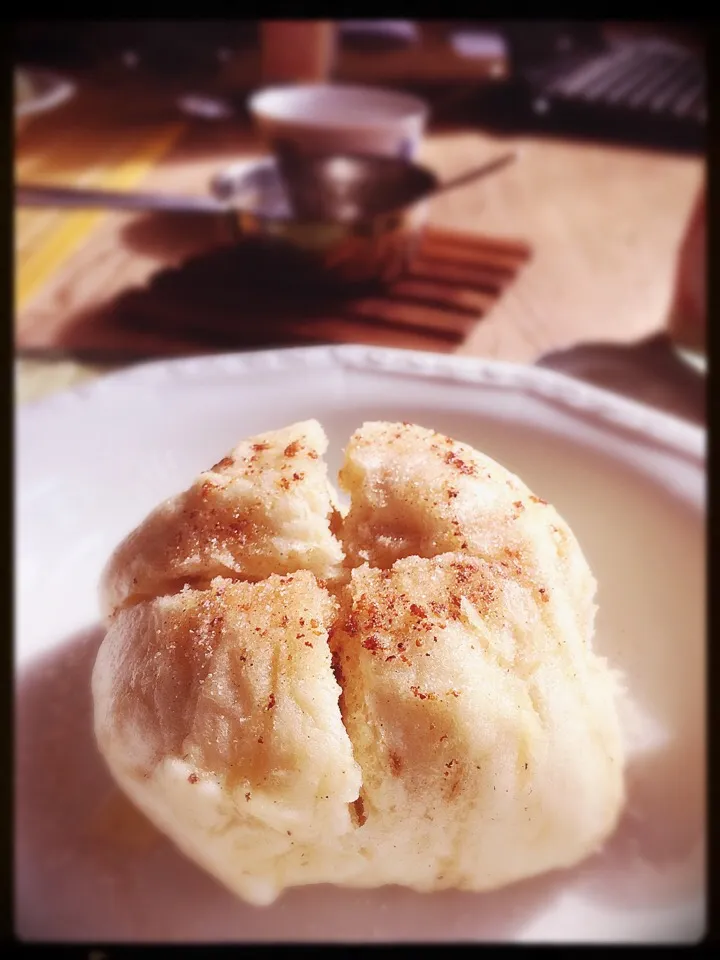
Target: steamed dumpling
407	694
486	734
264	508
217	712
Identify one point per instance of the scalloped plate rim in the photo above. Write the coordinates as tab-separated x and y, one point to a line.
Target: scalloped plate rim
576	395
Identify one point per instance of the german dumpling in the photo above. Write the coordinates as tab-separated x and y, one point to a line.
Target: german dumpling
403	692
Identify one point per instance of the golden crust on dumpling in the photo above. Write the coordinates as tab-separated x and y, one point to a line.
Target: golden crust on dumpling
457	686
415	492
264	508
235	684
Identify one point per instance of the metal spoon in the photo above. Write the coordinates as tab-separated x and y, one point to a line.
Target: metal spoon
39	195
492	166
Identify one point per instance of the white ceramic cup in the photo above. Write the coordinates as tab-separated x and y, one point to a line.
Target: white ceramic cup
334	118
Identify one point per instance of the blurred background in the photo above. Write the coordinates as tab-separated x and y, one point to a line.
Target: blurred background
596	234
634	80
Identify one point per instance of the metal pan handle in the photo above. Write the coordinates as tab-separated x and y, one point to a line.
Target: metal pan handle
33	195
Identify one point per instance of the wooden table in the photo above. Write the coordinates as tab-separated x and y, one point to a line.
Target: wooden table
603	224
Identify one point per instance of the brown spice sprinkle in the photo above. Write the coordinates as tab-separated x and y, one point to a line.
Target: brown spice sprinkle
284	483
391	618
373	617
292	449
313	454
193	778
298	476
452	493
206	487
537	499
261	446
241	527
462	572
308	644
372	643
223	464
519	505
271	702
454	460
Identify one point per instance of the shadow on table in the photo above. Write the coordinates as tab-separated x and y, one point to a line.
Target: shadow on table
219	295
91	868
648	371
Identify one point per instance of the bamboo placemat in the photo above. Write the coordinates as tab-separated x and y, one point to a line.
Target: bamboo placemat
235	297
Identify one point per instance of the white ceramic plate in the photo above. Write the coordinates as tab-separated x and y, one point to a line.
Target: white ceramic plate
90	463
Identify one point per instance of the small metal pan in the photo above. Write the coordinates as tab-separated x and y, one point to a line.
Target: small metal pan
348	218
